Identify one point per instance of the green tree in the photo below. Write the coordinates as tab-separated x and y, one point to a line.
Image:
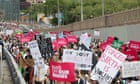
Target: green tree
71	9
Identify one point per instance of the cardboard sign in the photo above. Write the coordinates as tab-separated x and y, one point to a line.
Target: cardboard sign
79	58
33	46
62	71
109	64
85	39
131	69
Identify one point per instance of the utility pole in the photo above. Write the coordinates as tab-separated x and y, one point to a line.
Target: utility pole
82	18
103	7
58	12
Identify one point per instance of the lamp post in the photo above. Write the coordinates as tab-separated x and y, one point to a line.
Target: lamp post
58	12
82	18
103	7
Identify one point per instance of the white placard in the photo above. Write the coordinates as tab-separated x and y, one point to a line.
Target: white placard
96	33
82	59
9	32
131	69
85	39
109	64
35	52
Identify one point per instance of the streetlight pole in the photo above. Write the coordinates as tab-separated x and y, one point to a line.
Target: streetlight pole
103	7
81	1
58	10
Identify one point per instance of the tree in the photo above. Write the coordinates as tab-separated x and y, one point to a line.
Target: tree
71	9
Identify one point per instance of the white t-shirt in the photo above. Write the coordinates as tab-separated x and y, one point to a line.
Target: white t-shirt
43	71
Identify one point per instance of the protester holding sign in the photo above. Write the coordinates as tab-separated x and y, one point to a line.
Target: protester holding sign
81	54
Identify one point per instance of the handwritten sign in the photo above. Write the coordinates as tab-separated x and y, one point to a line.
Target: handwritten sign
131	69
109	64
33	46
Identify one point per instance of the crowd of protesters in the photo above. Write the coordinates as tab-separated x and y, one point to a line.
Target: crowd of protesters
21	52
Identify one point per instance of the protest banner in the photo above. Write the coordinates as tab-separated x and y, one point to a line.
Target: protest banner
134	45
62	42
131	54
82	59
19	36
62	71
71	38
108	65
123	47
110	39
66	33
103	45
54	45
131	69
35	52
25	39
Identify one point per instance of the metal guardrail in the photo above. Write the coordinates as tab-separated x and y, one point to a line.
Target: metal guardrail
16	75
1	64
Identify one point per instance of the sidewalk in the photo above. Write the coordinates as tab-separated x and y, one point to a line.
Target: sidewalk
7	78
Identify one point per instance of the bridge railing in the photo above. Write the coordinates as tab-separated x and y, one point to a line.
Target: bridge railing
16	75
1	65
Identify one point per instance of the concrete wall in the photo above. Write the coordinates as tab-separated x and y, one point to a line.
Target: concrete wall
124	33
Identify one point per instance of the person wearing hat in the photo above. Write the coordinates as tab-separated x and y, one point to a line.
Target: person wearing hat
94	79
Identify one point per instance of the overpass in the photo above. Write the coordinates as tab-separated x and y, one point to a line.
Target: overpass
125	25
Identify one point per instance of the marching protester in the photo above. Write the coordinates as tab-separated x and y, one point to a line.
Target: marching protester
69	59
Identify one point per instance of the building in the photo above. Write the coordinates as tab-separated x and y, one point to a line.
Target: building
11	9
24	4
